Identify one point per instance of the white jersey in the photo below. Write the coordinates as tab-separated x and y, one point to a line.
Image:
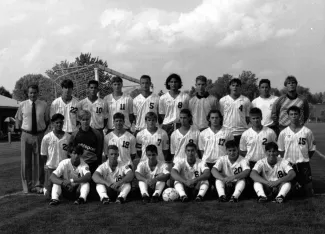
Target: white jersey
55	149
98	110
214	144
178	142
200	108
67	171
190	172
234	113
226	168
122	105
265	105
125	144
141	106
159	139
296	145
170	107
254	143
280	169
113	176
144	169
69	111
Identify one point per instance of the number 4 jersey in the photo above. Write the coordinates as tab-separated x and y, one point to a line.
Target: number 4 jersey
113	176
190	172
226	168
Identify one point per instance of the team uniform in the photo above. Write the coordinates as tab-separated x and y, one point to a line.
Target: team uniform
67	171
141	106
111	177
200	107
190	172
122	105
98	110
69	111
269	173
159	139
125	144
144	169
179	142
265	105
226	169
296	147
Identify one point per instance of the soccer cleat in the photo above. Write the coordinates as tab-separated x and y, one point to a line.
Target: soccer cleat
184	199
233	199
261	199
79	201
145	199
199	198
222	198
279	199
155	198
54	202
105	201
119	200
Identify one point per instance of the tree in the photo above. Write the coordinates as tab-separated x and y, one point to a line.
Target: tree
5	92
160	93
249	84
86	59
220	87
134	93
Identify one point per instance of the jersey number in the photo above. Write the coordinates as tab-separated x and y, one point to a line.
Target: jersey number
159	142
180	105
126	144
122	107
280	174
118	178
99	110
302	141
221	141
264	141
65	147
241	108
73	110
238	170
151	105
196	173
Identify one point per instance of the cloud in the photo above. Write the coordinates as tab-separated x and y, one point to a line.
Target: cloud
18	18
285	32
34	51
65	30
238	65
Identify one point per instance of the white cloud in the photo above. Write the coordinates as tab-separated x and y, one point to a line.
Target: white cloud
18	18
3	52
285	32
115	17
238	65
33	52
67	29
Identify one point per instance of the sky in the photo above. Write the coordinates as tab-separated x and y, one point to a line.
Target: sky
271	38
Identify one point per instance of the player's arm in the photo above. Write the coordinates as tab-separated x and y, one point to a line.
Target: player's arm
162	177
257	178
243	145
99	179
176	176
140	177
128	177
287	178
242	175
281	144
216	174
205	176
83	179
57	180
19	118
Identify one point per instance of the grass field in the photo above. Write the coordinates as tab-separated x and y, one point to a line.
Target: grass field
31	213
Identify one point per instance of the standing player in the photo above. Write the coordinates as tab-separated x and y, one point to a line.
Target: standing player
143	103
124	141
113	179
202	103
297	145
66	105
152	135
96	106
191	175
151	174
119	102
230	172
71	175
171	103
54	147
253	140
181	137
235	110
273	175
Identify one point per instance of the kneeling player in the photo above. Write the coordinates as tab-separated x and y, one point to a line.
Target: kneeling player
72	176
113	178
272	175
230	172
191	175
152	174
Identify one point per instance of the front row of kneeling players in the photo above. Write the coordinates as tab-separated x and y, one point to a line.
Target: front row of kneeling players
270	177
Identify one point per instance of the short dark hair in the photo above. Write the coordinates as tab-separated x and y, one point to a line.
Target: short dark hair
151	114
75	148
173	76
57	116
234	80
67	83
201	78
271	145
188	113
112	147
116	79
255	111
93	82
152	148
290	78
231	144
294	108
264	81
33	86
145	77
191	144
215	111
118	115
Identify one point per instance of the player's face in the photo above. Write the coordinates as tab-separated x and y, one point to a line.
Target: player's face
32	94
272	155
232	153
117	86
174	84
200	86
66	92
112	157
215	119
58	124
264	89
151	122
294	116
75	159
118	123
184	119
152	156
93	89
255	119
291	86
191	154
235	88
85	122
145	84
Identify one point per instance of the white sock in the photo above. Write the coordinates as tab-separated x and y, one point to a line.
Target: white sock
124	190
285	188
56	191
258	187
143	188
239	188
179	188
220	186
84	190
203	188
160	185
101	190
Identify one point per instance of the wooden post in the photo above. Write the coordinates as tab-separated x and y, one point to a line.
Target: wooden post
9	137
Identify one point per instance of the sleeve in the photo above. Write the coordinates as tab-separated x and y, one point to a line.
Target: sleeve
190	105
204	167
281	144
178	166
201	141
172	143
139	168
106	141
53	108
132	145
162	107
47	113
100	169
248	107
221	105
79	105
230	136
165	141
45	146
245	165
306	110
243	142
19	114
215	103
106	111
60	169
134	107
186	101
126	169
311	141
276	109
130	105
258	166
85	169
286	166
164	169
272	135
254	103
139	141
218	164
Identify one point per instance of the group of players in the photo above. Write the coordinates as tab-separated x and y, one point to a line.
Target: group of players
202	143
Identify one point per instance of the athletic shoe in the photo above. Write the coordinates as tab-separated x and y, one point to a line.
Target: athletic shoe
233	199
105	201
54	202
79	201
155	198
119	200
279	199
199	198
145	199
222	198
184	199
261	199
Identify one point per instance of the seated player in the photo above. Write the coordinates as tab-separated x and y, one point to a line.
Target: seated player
191	175
71	177
297	145
272	175
113	179
152	174
230	172
55	147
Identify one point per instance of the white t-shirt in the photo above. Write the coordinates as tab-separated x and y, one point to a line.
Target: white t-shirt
179	142
296	145
226	168
98	110
190	172
254	143
159	139
170	107
69	111
280	169
266	105
144	169
55	149
122	105
214	144
113	176
234	113
141	106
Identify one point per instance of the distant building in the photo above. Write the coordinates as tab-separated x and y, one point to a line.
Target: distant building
8	108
